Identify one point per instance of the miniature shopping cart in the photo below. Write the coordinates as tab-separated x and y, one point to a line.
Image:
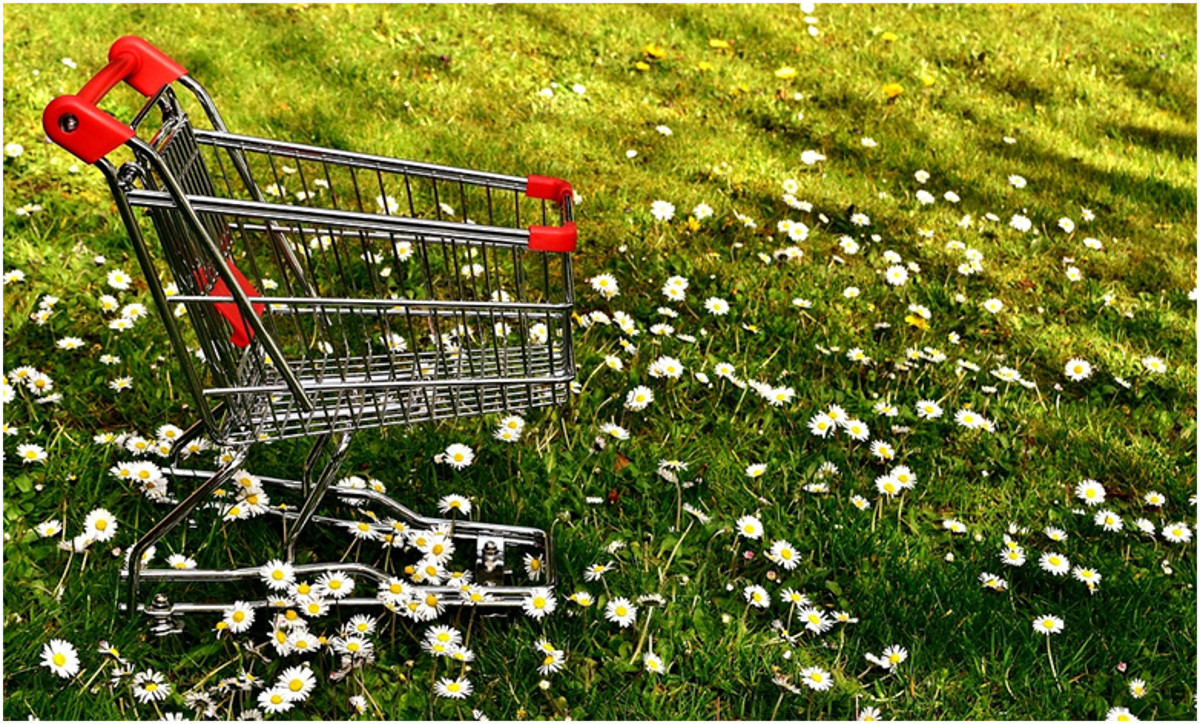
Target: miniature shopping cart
327	292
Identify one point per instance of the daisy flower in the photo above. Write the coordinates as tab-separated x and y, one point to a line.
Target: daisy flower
539	603
459	688
814	619
149	686
334	584
816	678
621	612
668	367
1090	492
716	306
31	453
993	305
1089	576
49	528
1054	563
1048	624
893	656
118	279
274	701
928	410
458	456
1119	713
1177	532
662	210
1077	369
821	425
750	527
992	581
596	571
456	503
1154	364
296	683
1013	556
61	658
639	398
857	430
606	285
887	485
1137	688
1108	520
784	554
534	565
100	525
757	596
653	663
278	575
614	430
239	617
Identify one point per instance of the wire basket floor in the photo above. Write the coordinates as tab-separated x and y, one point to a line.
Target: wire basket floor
401	388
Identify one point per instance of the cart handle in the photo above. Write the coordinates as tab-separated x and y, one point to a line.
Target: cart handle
78	125
552	238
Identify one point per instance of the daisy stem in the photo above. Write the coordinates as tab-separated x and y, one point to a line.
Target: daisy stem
642	640
58	590
1053	670
678	503
777	703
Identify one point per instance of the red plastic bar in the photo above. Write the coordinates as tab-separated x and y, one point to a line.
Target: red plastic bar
76	124
553	238
242	332
548	188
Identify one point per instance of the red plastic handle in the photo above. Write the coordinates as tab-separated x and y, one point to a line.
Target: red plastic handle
76	124
551	238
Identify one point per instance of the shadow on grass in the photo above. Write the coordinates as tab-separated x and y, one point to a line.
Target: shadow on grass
1181	145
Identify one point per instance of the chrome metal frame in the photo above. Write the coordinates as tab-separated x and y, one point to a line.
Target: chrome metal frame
382	319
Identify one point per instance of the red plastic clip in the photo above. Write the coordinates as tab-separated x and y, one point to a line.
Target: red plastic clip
553	238
548	188
242	332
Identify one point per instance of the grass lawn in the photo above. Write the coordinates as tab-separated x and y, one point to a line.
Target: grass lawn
987	193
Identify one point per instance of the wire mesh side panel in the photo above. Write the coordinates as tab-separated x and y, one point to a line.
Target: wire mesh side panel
329	179
381	327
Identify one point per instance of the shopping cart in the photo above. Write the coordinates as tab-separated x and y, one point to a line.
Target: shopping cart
330	292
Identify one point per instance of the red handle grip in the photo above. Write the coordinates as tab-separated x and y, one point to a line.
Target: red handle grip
551	238
76	124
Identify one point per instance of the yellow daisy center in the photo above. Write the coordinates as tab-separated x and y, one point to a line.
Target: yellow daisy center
239	616
396	588
276	699
60	660
539	602
431	600
101	524
151	686
296	685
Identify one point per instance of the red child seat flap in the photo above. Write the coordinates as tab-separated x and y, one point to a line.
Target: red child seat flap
242	332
